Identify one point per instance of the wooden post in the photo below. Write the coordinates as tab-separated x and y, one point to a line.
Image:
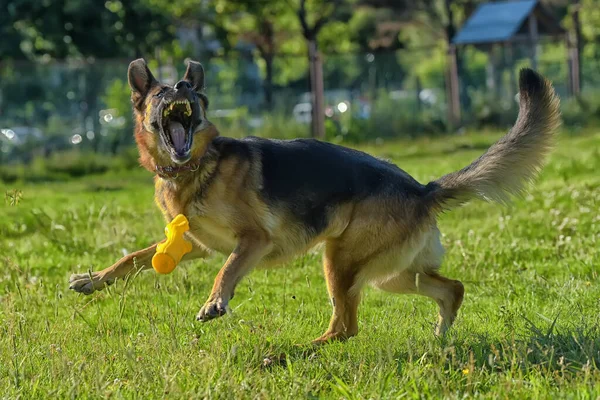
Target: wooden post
317	89
418	89
577	48
533	39
570	89
490	69
510	64
576	70
372	79
452	89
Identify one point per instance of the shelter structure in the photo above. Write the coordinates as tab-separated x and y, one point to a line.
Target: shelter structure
499	28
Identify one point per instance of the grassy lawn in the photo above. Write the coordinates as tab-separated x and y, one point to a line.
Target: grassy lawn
529	326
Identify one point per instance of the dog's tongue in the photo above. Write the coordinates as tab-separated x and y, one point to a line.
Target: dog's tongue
177	135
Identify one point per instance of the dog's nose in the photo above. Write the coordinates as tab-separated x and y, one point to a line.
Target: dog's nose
182	84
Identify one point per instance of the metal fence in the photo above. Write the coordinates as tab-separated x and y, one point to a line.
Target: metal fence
85	104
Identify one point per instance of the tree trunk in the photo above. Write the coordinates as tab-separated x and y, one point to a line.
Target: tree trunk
268	82
461	70
452	90
267	51
578	48
317	90
450	28
533	40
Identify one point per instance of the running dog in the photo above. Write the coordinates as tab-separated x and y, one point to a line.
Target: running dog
264	201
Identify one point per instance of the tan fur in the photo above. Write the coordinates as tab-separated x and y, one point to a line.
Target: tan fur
391	243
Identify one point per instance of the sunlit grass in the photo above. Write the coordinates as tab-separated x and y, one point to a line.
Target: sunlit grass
529	326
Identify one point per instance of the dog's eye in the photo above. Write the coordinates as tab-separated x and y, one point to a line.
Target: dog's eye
160	94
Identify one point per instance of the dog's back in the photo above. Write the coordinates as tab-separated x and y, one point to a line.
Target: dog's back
309	179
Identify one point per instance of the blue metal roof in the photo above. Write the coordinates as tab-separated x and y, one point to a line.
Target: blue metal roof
494	22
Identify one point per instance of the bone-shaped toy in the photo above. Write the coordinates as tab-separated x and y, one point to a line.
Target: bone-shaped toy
170	251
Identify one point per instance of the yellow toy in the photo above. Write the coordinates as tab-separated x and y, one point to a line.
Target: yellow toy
170	251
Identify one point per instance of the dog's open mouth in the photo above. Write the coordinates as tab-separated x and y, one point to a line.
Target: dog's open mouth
177	128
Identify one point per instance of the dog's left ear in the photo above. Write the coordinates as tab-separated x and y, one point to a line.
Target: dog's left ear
195	75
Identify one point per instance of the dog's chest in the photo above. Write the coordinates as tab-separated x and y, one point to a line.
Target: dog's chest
211	224
213	234
210	220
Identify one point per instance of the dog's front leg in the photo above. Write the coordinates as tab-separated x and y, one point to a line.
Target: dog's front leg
250	250
88	283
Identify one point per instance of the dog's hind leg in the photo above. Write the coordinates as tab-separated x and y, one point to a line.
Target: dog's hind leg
344	297
88	283
447	293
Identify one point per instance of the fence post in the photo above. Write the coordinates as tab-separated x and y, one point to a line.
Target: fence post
533	40
317	89
452	89
510	64
575	47
418	89
574	83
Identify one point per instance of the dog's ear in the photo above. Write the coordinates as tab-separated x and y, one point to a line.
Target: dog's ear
194	74
140	79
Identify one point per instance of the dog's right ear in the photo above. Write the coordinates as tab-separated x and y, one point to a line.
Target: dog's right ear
140	80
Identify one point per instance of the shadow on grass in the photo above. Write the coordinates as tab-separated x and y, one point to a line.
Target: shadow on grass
550	351
564	351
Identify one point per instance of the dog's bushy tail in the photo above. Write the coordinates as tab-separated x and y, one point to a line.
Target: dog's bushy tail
509	164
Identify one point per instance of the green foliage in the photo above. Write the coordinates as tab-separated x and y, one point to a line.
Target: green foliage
429	66
488	110
528	328
397	118
118	96
63	165
59	29
279	126
72	164
581	111
589	15
66	99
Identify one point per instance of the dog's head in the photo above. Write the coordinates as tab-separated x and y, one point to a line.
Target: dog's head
171	124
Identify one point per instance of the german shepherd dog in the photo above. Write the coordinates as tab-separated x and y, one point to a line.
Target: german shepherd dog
264	201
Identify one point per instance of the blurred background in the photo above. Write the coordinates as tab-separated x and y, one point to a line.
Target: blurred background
346	71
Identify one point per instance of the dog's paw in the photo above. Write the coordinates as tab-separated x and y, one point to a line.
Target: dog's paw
330	337
88	284
212	309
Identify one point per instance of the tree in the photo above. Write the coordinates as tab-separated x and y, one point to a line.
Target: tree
575	45
82	30
313	19
264	24
435	22
60	29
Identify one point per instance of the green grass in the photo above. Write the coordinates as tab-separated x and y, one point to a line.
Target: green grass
529	326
